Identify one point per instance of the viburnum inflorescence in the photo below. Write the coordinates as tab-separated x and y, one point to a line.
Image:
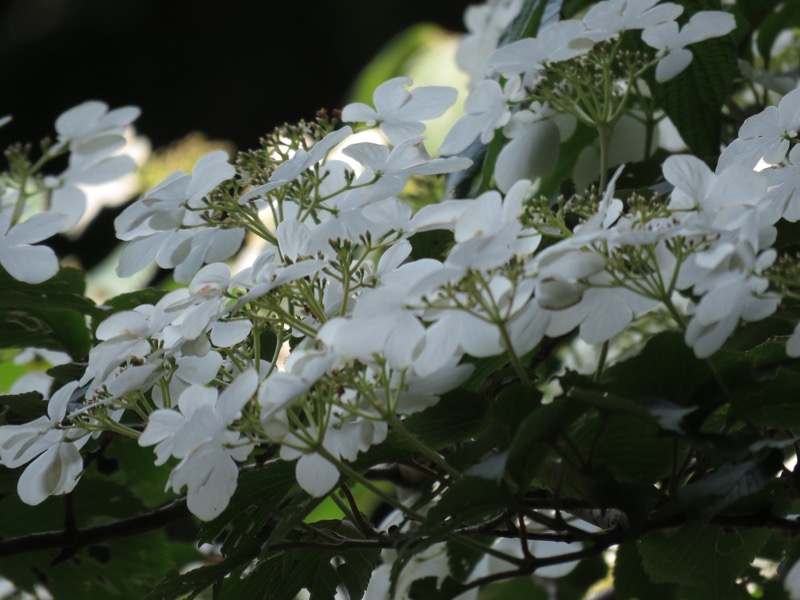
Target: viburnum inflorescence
473	318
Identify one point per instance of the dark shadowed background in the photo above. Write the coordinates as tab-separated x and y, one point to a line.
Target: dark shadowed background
231	69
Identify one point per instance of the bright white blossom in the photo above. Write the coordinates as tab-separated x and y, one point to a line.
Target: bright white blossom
400	112
671	40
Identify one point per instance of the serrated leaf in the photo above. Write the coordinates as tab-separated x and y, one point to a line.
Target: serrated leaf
631	581
773	402
457	416
462	558
705	557
533	440
729	484
257	502
693	99
466	499
320	570
635	377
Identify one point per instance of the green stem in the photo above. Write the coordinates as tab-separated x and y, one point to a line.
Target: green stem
604	138
417	445
354	475
601	362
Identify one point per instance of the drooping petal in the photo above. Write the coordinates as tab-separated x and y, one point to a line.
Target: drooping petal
55	472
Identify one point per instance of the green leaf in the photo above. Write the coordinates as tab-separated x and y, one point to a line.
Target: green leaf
46	315
462	559
457	416
635	378
535	436
21	408
519	587
629	447
133	467
772	402
693	99
786	16
320	570
532	16
131	300
706	557
512	405
125	569
466	499
728	484
631	581
392	60
258	502
431	244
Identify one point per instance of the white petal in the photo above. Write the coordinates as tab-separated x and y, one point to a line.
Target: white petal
199	370
226	334
672	64
211	480
54	472
316	475
531	155
78	119
236	396
31	264
39	227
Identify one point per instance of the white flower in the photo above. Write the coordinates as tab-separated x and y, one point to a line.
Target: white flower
729	200
404	160
766	136
485	24
530	155
303	368
399	111
300	161
152	225
90	128
198	434
57	463
615	16
344	438
22	260
488	231
671	42
561	41
485	110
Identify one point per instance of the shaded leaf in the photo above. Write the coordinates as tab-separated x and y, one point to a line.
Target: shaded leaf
693	99
706	557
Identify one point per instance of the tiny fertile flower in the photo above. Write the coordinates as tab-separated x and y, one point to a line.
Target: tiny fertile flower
300	161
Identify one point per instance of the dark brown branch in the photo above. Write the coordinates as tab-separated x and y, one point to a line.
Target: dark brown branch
72	541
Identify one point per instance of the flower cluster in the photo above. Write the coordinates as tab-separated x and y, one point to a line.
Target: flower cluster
365	295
